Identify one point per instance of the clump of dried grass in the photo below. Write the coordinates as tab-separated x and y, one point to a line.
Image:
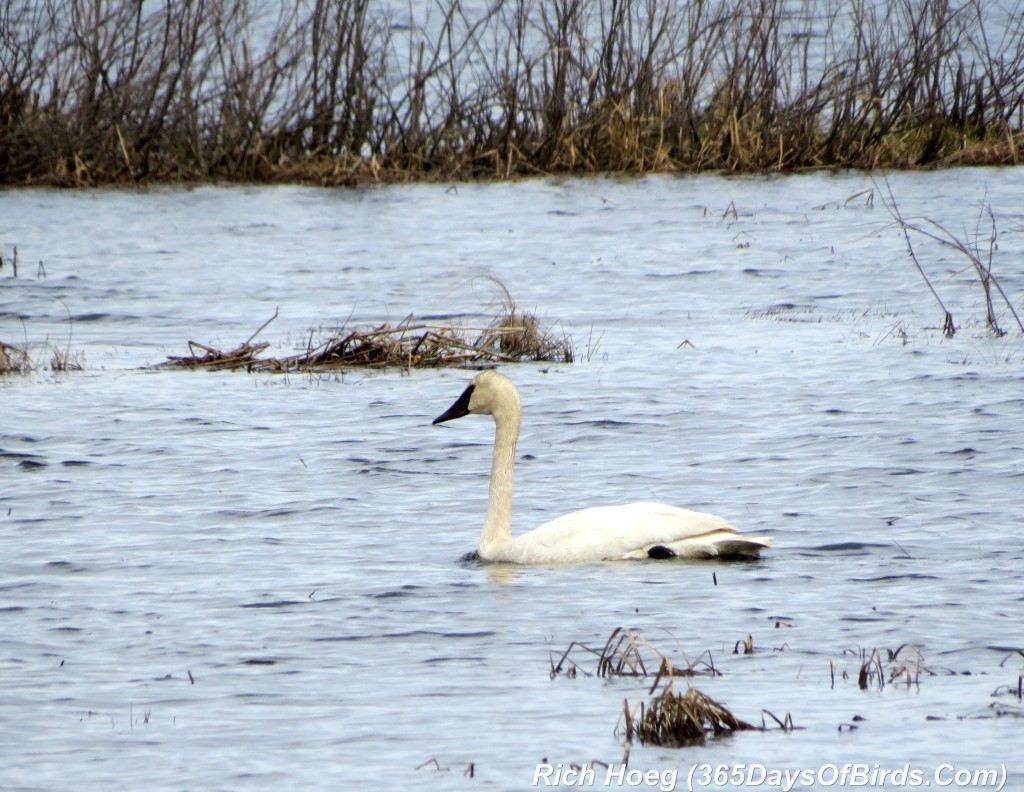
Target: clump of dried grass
677	719
14	359
65	360
409	344
513	336
518	335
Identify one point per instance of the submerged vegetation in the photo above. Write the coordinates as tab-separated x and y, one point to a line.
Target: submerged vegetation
350	91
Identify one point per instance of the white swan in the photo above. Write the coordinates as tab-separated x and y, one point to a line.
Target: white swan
602	533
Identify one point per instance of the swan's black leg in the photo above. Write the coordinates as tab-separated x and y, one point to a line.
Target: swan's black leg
660	552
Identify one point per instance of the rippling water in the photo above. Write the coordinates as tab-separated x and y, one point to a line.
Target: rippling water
228	581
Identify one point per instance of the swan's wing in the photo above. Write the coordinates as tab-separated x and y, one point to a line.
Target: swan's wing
628	531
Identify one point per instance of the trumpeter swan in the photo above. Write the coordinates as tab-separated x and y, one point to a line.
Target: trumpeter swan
602	533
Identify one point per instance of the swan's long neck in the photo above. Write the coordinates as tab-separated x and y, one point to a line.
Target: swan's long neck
498	525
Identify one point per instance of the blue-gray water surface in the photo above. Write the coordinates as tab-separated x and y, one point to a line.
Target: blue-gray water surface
240	581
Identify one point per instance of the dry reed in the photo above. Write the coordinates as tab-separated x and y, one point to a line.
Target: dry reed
345	91
626	653
880	667
980	260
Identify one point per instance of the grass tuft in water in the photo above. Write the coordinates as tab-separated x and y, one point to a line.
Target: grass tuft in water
880	667
15	359
674	720
65	360
626	653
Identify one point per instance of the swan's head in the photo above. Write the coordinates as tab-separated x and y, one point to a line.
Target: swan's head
490	393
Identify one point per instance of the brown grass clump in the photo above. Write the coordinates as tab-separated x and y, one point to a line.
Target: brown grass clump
409	344
674	720
512	337
65	360
20	359
14	359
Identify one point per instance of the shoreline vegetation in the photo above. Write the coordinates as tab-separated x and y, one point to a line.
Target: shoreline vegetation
350	92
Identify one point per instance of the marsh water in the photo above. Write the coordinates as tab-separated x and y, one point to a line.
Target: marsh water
238	581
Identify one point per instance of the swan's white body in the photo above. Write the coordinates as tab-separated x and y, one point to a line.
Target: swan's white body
603	533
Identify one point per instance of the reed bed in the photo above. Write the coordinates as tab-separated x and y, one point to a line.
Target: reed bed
355	91
512	337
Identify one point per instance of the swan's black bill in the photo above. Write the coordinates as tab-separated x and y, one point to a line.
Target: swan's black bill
457	410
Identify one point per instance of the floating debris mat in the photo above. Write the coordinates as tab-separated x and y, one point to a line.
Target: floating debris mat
513	337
